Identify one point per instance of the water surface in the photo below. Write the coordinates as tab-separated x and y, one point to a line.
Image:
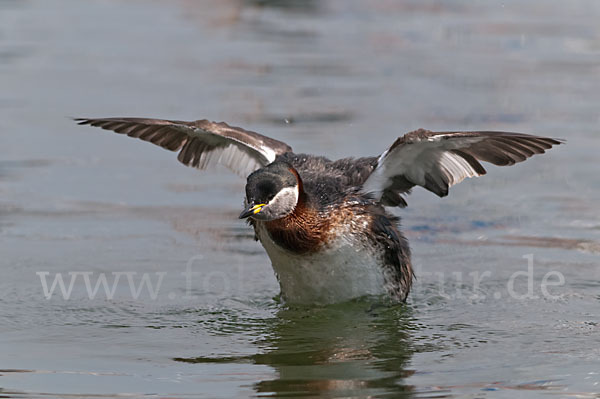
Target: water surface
337	78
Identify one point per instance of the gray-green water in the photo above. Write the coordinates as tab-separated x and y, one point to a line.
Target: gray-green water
331	77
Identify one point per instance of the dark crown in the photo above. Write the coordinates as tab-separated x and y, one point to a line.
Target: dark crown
265	183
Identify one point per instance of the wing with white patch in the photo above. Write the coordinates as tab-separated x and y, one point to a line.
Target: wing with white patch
439	160
200	143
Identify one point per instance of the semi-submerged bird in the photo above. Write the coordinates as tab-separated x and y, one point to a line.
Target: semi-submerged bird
323	223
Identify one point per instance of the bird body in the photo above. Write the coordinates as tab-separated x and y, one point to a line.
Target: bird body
337	244
346	266
323	223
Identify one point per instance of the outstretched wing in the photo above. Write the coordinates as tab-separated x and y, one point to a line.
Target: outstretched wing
200	143
439	160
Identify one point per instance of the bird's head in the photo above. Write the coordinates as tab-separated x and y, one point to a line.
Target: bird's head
272	192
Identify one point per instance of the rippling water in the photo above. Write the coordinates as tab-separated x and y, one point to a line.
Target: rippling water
331	77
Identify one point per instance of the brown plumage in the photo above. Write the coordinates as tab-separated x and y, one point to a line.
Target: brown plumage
303	230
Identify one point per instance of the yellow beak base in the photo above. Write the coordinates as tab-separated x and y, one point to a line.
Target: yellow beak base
251	210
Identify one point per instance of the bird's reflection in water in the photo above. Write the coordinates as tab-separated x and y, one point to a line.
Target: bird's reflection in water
227	13
287	5
355	348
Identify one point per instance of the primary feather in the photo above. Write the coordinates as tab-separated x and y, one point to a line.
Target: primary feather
439	160
200	143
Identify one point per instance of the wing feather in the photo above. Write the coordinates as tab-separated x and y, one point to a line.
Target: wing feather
439	160
200	143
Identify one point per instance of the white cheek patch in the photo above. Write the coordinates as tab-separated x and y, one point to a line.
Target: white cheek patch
286	194
282	204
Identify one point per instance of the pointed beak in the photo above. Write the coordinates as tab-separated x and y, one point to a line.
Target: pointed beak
251	210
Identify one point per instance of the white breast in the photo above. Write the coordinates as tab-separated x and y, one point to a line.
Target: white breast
348	267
